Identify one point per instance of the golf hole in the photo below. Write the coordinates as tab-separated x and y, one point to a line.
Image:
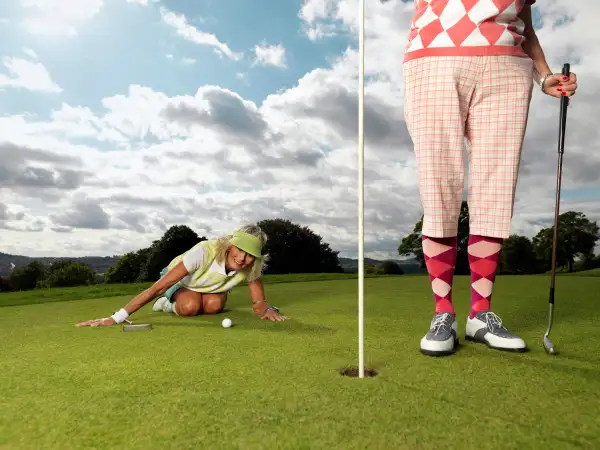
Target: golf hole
352	372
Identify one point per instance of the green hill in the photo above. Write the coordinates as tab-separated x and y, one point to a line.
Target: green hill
99	264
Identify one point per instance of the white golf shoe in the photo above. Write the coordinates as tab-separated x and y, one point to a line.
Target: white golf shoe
442	337
486	328
162	305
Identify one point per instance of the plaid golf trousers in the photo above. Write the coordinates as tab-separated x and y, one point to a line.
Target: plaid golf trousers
485	101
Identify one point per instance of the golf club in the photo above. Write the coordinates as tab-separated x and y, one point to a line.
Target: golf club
136	327
564	102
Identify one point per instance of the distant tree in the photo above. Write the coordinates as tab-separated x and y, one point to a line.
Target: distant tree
27	277
588	262
128	268
577	237
518	256
177	240
67	273
390	268
373	269
412	244
5	285
296	249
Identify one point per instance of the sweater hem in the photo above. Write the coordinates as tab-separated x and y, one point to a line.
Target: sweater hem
484	50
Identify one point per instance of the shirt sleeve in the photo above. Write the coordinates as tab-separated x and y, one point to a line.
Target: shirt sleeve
194	259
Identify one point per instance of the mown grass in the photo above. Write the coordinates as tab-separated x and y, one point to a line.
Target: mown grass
189	383
117	289
585	273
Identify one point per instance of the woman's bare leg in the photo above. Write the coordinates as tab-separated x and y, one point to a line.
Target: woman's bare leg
190	303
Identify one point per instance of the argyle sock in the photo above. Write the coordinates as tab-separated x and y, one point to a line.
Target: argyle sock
484	257
440	259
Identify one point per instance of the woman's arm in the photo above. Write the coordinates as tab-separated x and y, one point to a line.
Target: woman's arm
554	85
158	288
259	302
532	46
257	295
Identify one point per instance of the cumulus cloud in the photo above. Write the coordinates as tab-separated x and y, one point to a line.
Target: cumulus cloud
270	55
86	214
25	74
118	176
192	34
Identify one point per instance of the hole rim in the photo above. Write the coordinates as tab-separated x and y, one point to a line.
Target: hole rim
352	372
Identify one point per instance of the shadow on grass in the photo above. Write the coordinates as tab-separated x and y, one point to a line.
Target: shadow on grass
243	320
567	361
287	327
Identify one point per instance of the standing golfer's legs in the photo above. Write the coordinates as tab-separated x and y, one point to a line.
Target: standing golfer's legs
495	131
437	96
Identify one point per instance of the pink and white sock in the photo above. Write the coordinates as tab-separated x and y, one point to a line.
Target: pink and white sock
484	258
440	259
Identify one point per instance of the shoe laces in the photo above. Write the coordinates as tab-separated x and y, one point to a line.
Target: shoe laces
493	321
439	322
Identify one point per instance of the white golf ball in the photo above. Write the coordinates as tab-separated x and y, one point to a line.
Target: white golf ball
226	323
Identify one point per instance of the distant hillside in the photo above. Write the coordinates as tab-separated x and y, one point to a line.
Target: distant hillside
408	266
99	264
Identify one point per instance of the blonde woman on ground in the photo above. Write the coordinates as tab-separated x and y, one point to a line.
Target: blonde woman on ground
198	281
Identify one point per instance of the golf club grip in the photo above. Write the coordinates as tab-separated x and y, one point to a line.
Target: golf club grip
564	103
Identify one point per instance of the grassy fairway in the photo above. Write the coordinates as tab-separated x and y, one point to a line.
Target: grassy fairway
191	384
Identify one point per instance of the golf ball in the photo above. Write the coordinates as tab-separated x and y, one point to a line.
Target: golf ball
226	323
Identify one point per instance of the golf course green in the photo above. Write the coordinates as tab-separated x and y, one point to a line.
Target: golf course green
191	384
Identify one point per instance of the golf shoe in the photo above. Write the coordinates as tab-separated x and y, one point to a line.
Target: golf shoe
486	328
442	337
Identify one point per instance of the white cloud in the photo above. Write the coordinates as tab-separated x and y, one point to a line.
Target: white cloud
30	53
192	34
318	17
28	75
270	55
58	18
213	159
139	2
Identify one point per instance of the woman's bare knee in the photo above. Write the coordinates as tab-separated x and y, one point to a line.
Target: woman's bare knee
188	303
213	303
188	308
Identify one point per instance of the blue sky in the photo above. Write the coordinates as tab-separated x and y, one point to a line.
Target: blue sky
127	43
82	181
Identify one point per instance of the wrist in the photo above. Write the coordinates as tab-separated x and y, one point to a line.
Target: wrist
260	307
120	316
542	80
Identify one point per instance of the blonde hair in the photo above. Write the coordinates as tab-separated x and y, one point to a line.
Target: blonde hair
255	271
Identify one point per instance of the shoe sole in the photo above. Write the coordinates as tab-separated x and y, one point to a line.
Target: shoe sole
437	353
502	349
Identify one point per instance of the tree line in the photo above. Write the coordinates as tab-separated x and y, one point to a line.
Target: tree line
296	249
577	238
291	248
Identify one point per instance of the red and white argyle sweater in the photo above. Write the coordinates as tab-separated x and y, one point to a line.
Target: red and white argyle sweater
466	28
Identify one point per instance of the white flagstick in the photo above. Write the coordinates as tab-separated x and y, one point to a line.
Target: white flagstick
361	189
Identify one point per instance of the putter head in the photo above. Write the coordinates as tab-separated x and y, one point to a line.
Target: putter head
548	346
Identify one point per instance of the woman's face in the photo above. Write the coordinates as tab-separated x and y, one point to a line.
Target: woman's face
238	259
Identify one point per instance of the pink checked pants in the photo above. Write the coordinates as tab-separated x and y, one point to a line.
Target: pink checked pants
485	101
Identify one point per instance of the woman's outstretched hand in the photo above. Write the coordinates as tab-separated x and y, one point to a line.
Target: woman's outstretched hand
559	85
107	321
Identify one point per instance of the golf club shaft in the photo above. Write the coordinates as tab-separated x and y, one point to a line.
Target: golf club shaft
564	102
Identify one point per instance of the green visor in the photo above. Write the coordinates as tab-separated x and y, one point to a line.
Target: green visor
247	242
